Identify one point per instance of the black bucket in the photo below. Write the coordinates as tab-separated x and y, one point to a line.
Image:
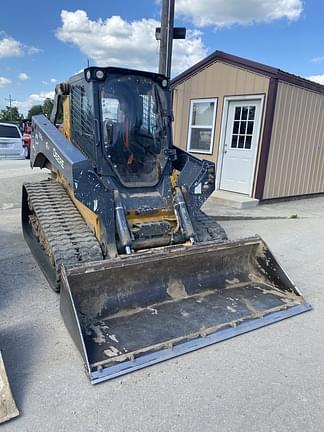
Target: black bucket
131	312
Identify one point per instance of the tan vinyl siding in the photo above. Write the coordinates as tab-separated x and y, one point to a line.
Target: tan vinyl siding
296	158
216	81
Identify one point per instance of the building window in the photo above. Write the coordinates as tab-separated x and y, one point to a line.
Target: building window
201	125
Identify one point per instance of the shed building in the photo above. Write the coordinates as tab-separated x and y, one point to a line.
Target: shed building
263	127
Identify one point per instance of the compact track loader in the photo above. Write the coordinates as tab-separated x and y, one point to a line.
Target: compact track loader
144	274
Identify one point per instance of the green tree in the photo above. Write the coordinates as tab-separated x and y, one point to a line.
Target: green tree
35	110
47	107
10	115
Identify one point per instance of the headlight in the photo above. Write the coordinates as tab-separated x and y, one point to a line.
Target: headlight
100	74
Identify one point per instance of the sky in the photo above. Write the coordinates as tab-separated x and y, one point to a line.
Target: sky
43	43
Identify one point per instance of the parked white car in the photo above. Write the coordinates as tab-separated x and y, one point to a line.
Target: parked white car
11	142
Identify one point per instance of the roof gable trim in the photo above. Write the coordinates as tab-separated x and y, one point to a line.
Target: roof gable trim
250	65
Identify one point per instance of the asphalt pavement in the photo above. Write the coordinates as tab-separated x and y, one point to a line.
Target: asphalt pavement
269	380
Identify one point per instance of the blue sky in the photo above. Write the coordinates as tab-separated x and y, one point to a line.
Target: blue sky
42	43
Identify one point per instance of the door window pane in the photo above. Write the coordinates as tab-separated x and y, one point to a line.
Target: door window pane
251	112
245	110
241	141
248	141
243	125
201	129
250	128
234	141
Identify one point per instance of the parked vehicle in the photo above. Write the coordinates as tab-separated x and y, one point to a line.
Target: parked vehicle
11	142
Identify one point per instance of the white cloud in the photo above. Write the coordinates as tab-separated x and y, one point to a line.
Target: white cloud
4	82
187	52
32	50
52	81
10	47
117	42
316	78
318	59
40	97
225	13
33	99
23	76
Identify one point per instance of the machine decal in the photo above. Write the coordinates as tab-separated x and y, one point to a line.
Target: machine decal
58	158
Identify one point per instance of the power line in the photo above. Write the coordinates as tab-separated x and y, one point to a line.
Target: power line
10	102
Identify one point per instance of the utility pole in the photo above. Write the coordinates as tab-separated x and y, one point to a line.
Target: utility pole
10	102
165	34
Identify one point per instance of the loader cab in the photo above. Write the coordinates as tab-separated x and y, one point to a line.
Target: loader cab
128	113
134	127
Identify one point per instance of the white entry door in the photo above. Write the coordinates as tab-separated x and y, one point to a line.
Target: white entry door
240	145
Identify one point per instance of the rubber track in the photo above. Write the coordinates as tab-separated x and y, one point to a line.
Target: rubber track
208	229
58	225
